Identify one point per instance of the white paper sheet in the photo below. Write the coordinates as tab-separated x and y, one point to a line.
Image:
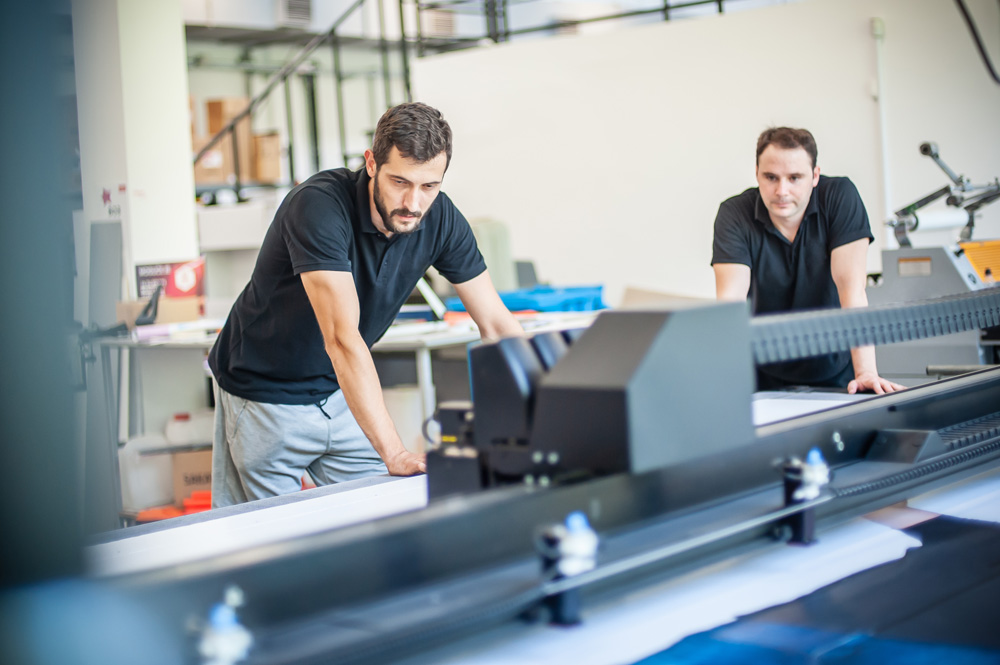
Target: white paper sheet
977	498
275	524
772	406
641	624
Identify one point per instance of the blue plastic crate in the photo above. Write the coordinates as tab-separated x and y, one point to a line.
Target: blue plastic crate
546	299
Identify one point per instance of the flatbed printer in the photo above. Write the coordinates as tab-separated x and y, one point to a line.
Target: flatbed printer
666	464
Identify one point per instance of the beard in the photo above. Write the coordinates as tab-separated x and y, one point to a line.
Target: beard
387	216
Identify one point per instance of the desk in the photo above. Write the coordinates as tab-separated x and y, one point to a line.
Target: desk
422	338
121	395
419	339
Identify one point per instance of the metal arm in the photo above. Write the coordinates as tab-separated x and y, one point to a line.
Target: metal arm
961	194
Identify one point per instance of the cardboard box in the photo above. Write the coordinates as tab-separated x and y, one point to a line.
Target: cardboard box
169	310
210	169
192	472
267	157
639	298
220	112
216	167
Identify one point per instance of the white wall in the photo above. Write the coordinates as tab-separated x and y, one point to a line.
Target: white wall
99	105
609	154
161	181
131	84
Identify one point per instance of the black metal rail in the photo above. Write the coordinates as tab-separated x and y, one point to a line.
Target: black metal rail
781	337
496	16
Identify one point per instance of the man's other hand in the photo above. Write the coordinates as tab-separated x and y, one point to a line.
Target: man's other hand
405	463
872	382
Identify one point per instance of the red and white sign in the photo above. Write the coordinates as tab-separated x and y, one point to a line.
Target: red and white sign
177	279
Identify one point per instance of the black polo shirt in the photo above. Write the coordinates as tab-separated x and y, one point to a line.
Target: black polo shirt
271	348
790	276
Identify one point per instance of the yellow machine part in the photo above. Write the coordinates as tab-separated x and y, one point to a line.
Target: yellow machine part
982	255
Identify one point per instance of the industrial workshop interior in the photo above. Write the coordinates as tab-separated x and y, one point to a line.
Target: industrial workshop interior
446	332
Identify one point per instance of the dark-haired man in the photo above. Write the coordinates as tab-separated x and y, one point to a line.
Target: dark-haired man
797	241
297	386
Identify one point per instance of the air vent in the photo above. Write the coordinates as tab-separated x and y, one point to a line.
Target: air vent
294	13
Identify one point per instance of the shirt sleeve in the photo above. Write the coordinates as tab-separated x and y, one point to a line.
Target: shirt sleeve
731	241
459	258
845	213
317	232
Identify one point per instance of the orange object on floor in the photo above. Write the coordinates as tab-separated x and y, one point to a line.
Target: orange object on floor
199	501
200	496
158	513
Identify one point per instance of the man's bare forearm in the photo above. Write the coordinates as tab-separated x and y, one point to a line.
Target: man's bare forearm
355	369
502	325
863	359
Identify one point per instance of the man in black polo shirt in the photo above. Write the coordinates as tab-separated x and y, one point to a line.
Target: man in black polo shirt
798	241
297	386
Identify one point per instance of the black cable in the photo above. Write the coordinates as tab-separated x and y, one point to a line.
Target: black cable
979	42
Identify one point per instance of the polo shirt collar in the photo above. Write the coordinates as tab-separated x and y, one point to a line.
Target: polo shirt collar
364	205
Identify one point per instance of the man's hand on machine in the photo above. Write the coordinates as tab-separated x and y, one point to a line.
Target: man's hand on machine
872	382
405	463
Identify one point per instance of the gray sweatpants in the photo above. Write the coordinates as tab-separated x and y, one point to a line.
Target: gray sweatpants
262	450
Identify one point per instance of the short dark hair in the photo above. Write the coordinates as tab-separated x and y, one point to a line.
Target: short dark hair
787	138
417	130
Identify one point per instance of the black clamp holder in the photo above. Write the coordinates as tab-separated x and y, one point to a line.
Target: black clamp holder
566	550
804	481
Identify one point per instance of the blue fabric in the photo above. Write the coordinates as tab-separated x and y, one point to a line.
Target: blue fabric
757	643
546	299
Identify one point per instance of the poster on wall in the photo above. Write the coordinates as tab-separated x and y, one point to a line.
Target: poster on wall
178	280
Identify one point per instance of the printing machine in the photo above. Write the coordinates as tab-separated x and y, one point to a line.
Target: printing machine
642	422
914	273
